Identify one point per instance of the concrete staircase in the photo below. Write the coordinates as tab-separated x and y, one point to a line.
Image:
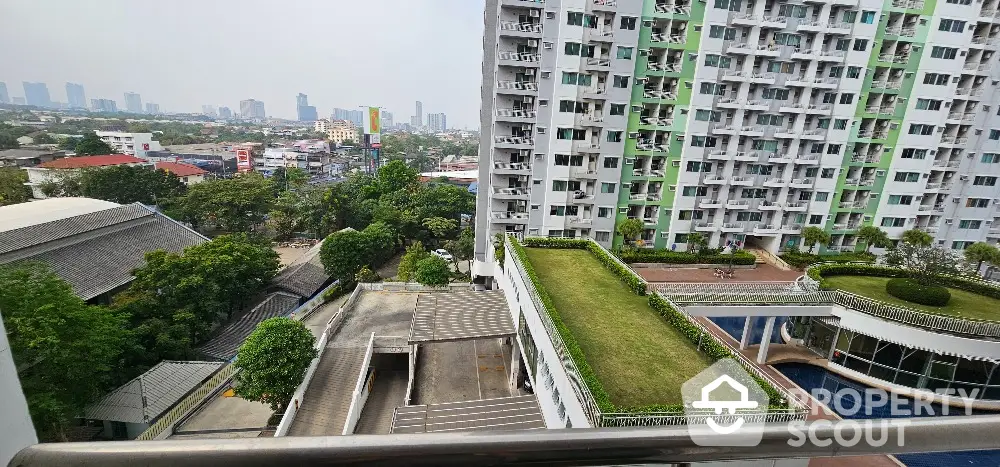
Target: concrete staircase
766	257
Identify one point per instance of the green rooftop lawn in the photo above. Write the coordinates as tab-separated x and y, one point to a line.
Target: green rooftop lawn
962	305
638	357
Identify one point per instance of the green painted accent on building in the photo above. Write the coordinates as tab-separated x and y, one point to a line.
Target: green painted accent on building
681	101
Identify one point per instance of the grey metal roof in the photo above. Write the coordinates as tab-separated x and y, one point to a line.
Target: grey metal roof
440	317
19	153
152	393
506	413
96	253
225	345
305	276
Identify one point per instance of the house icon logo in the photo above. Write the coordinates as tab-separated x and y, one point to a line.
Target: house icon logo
724	406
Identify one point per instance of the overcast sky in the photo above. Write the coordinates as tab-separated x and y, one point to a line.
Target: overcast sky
185	53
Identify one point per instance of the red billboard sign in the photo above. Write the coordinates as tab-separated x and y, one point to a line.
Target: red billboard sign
243	162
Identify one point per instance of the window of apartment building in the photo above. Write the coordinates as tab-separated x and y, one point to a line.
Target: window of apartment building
913	153
759	169
618	109
703	141
840	124
906	177
764	145
712	88
961	244
850	16
614	136
721	32
816	148
921	129
731	5
777	94
559	185
624	53
628	22
707	115
772	120
969	224
744	216
947	53
823	123
793	11
860	45
990	158
977	203
835	72
868	17
602	236
842	44
580	79
754	193
811	172
686	215
805	195
719	61
936	79
846	98
959	2
571	133
994	134
822	196
853	72
557	210
620	81
694	191
816	219
828	173
782	38
893	221
610	162
681	238
607	187
572	48
951	25
572	106
575	18
829	97
833	149
698	166
605	212
928	104
983	180
780	67
561	159
900	199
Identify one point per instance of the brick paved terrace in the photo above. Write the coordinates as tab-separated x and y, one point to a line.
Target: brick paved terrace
762	273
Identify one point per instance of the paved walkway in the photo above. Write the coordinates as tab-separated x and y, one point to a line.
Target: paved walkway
388	392
763	272
817	410
461	371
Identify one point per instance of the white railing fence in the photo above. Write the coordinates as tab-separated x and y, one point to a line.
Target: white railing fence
164	426
361	390
414	287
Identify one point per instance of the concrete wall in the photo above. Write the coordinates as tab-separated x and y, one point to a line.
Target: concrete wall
16	429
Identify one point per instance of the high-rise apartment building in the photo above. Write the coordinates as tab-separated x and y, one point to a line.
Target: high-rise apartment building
76	98
152	109
741	121
37	94
387	120
133	102
4	96
437	122
208	110
357	117
252	109
225	112
103	105
418	116
304	111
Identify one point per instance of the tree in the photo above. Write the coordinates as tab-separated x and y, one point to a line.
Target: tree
440	227
8	141
238	265
433	270
67	352
91	145
343	254
366	275
273	361
697	242
873	236
395	176
12	186
43	138
979	253
408	264
234	205
68	143
813	235
917	237
125	184
463	248
630	229
923	261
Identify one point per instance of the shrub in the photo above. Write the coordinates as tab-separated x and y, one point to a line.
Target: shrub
912	291
433	270
968	284
333	292
676	257
800	259
366	275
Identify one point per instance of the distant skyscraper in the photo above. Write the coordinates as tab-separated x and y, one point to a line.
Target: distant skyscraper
75	97
37	94
386	119
224	112
17	101
305	112
152	109
251	108
419	117
133	103
208	110
4	97
437	122
103	105
354	116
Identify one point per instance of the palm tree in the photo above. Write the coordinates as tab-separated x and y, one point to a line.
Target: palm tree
873	236
814	235
979	253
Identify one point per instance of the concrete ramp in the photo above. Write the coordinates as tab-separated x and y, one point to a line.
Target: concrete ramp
506	413
329	393
388	392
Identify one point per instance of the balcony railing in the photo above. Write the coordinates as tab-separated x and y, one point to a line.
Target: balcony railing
507	215
520	56
519	113
599	61
518	85
654	94
520	27
656	121
513	140
668	38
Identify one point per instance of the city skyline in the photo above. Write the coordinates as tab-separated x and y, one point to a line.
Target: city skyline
410	31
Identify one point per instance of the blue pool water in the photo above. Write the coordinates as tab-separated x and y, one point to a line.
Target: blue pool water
811	377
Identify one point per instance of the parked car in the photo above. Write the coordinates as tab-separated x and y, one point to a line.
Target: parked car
442	253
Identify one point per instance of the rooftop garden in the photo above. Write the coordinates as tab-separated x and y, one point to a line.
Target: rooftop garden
633	351
963	304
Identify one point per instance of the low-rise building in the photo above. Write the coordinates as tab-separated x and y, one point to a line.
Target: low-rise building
56	170
189	174
28	157
133	144
321	126
341	131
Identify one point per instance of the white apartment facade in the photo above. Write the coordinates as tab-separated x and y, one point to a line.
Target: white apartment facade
133	144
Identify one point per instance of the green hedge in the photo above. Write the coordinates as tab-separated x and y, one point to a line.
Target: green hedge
800	259
709	345
967	284
632	255
912	291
